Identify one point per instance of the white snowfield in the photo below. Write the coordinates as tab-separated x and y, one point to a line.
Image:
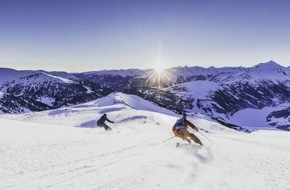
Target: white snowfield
63	149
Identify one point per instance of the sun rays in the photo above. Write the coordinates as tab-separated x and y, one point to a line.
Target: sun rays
159	74
158	77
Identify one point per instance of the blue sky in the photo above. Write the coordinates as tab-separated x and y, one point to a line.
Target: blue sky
86	35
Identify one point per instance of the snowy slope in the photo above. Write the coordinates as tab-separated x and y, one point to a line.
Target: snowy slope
11	74
62	149
259	121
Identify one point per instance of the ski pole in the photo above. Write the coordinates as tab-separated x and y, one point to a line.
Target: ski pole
205	137
116	127
168	139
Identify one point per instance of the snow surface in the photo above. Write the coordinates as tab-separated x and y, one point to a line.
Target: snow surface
199	89
252	119
65	80
255	119
62	149
46	100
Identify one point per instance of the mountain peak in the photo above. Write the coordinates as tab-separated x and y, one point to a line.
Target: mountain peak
270	64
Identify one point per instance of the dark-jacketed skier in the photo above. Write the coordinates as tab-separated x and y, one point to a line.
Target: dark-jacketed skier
101	122
180	130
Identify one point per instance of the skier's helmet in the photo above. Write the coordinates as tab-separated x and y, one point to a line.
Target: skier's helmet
184	114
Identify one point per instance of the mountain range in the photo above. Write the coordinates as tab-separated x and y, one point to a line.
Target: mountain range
241	98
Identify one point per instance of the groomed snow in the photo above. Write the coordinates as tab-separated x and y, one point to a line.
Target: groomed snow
255	119
62	149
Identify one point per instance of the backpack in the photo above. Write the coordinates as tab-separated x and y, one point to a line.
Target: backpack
179	123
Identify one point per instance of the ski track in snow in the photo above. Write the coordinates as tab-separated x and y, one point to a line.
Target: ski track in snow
84	163
243	163
91	161
44	151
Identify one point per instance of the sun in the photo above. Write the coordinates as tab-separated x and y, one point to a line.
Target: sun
159	75
159	68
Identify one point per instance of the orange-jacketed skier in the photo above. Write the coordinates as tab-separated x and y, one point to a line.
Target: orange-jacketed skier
180	130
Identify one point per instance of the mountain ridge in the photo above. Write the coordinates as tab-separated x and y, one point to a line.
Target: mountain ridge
216	92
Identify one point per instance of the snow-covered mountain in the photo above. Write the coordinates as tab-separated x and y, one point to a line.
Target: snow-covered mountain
63	149
11	74
42	91
224	94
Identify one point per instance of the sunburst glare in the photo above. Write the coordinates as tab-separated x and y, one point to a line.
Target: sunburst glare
159	68
159	75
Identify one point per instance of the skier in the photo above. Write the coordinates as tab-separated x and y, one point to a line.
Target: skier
180	130
101	122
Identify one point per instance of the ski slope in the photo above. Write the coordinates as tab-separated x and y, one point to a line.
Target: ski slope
62	149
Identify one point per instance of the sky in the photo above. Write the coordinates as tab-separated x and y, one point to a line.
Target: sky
87	35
